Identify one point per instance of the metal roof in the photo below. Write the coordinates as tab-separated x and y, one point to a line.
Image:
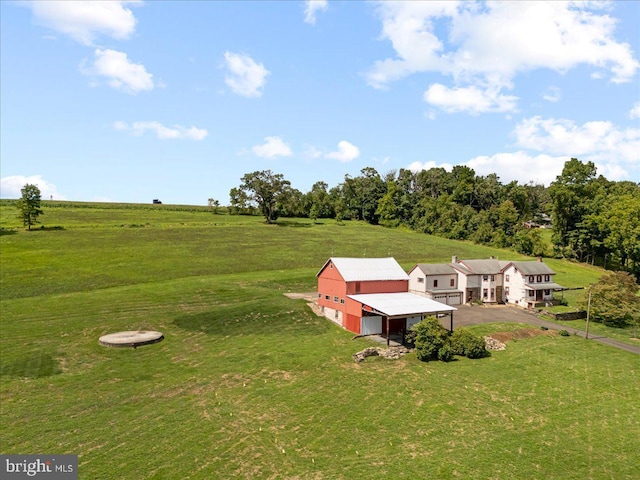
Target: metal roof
533	268
484	267
401	304
436	268
543	286
367	269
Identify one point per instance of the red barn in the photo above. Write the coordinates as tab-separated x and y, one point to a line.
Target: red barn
359	293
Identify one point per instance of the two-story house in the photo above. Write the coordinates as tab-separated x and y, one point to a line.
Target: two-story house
437	281
528	284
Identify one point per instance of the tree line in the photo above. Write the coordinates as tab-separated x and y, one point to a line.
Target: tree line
593	219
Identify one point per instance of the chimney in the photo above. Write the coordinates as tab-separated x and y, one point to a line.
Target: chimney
454	259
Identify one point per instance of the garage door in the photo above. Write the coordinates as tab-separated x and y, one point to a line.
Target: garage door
371	326
454	299
442	298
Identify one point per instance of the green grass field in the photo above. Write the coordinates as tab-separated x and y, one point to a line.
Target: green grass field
251	384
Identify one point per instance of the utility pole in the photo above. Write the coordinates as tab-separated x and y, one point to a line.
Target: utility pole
588	313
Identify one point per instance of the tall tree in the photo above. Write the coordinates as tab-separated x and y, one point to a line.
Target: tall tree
570	194
363	193
614	300
265	189
29	205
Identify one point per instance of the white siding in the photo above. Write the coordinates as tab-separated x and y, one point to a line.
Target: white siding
415	285
371	326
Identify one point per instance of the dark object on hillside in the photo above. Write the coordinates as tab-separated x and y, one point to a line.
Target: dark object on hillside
157	202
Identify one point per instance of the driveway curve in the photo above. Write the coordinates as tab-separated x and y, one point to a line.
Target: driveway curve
475	315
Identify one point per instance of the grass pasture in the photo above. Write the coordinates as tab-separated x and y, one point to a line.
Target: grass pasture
250	384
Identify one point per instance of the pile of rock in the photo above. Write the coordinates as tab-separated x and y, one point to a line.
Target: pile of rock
493	344
392	353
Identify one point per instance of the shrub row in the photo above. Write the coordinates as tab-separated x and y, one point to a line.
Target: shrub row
432	341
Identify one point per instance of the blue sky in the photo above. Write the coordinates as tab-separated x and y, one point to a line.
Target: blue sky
131	101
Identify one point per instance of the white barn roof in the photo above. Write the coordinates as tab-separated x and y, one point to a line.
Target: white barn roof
401	304
367	269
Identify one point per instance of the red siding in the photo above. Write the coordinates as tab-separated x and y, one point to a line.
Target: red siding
331	283
352	323
384	286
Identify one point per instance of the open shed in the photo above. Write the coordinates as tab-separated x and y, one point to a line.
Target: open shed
386	313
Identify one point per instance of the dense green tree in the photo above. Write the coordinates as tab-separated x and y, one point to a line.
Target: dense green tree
570	195
264	189
362	194
529	242
29	205
430	338
434	182
622	222
319	202
240	202
614	300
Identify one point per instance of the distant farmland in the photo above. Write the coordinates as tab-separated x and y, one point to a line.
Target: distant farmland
251	384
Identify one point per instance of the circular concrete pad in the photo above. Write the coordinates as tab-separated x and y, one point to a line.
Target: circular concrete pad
131	339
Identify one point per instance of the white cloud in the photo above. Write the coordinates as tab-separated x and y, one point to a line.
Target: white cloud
10	187
635	111
245	77
312	7
120	72
273	147
85	20
596	140
428	165
345	153
519	166
552	94
469	99
486	45
312	152
176	132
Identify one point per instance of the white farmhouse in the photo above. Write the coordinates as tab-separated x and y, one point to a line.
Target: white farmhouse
528	284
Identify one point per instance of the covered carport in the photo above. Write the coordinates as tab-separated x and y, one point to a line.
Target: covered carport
397	308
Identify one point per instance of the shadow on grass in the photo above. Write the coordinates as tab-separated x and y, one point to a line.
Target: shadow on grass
42	228
286	223
252	324
4	231
33	365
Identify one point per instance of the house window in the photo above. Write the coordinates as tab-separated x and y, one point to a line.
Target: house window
342	301
452	282
547	278
506	291
331	265
335	299
531	293
319	295
326	297
485	278
531	279
547	292
485	293
539	278
435	283
420	280
506	278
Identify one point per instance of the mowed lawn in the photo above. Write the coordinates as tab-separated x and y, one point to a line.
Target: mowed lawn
251	384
